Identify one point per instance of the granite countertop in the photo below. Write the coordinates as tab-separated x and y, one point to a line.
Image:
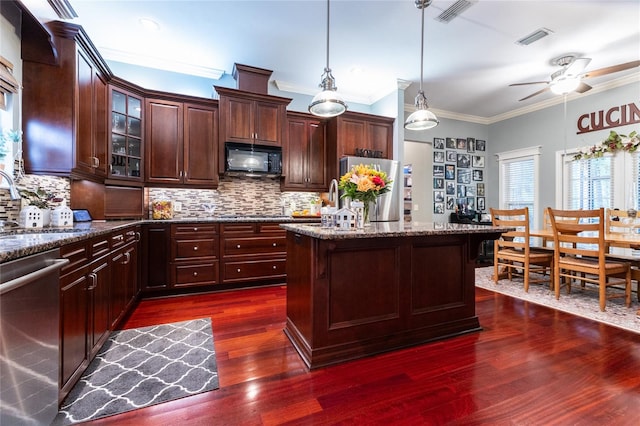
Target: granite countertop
20	242
391	229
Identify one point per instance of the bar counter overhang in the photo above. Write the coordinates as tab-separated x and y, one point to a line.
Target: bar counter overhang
352	294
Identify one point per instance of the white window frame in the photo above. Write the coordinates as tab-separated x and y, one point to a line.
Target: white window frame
624	176
523	154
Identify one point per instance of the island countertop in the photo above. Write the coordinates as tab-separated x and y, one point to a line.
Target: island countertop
391	229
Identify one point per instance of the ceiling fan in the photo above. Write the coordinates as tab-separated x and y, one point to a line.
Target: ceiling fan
569	77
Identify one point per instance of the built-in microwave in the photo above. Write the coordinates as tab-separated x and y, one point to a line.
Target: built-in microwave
253	160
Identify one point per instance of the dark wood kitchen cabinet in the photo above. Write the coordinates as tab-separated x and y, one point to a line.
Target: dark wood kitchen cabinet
64	108
125	273
126	142
181	143
354	131
194	255
85	288
305	154
156	257
253	252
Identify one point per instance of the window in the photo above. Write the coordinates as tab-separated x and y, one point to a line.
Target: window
519	181
610	181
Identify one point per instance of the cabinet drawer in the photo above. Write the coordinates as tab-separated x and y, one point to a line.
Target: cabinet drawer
272	228
195	273
257	269
254	245
239	228
196	247
78	255
194	228
99	246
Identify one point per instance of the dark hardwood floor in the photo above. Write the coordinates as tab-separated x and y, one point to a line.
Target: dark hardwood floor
529	366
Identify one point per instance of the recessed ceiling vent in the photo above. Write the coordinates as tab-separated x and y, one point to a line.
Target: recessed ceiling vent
454	10
63	9
534	36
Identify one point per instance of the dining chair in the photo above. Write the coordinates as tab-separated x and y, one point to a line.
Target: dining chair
580	248
620	222
547	226
513	252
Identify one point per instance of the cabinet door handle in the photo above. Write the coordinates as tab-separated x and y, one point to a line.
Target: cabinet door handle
138	237
127	256
94	281
195	248
95	161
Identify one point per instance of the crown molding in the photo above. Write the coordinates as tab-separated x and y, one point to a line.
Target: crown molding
161	64
347	96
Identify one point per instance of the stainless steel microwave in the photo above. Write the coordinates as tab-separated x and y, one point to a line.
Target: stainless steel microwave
253	160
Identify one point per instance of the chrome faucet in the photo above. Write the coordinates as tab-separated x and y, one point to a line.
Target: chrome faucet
13	191
333	193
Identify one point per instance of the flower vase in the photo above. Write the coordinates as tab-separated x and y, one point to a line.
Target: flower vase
366	217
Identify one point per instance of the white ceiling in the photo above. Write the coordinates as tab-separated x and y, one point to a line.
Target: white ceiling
469	62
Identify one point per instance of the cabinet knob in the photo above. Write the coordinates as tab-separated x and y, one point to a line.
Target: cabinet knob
195	229
195	274
195	248
238	246
274	244
238	269
275	267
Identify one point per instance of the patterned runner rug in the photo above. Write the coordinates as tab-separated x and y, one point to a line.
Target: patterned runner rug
141	367
580	302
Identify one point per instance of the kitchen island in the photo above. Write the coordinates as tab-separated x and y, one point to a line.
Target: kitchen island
392	285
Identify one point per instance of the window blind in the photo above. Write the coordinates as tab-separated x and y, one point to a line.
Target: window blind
518	183
590	183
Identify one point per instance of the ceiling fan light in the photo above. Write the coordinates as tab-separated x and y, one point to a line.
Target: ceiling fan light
565	85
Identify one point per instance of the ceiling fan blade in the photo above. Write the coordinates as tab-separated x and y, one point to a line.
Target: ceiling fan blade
531	82
577	66
612	69
534	94
583	87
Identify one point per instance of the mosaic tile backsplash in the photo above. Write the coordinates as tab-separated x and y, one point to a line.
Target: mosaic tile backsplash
234	196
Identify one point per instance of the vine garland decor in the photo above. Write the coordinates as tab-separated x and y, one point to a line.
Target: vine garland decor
614	143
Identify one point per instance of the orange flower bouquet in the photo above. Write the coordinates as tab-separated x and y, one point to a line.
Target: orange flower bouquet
364	183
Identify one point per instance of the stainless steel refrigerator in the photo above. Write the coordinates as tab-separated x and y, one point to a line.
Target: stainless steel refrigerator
387	208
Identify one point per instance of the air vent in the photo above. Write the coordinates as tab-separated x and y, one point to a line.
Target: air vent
63	9
456	9
534	36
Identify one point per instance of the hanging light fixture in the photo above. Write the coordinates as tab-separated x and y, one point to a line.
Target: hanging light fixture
327	103
421	118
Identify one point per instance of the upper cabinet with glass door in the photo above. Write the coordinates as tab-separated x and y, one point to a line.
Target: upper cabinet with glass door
126	136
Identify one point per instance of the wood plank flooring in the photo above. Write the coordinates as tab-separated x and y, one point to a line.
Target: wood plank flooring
529	366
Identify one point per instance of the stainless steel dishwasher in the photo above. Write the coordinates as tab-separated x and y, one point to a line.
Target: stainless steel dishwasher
29	339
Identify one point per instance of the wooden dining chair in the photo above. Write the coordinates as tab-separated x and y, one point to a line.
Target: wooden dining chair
620	222
580	253
513	253
547	226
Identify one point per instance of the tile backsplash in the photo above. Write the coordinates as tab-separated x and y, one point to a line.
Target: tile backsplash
234	196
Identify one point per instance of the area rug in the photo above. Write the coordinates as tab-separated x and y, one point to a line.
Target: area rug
141	367
580	302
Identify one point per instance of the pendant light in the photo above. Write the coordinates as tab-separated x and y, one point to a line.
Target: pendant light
421	118
327	103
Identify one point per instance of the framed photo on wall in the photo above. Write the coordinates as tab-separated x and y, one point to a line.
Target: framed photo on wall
438	196
461	144
438	183
451	143
438	170
477	161
438	143
463	160
478	175
480	202
438	208
451	156
451	203
451	188
480	145
471	145
464	176
449	172
480	189
438	156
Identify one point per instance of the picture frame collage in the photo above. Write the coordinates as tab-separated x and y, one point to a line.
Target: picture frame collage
458	174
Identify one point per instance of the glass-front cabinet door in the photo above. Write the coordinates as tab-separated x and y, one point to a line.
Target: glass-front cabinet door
126	135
